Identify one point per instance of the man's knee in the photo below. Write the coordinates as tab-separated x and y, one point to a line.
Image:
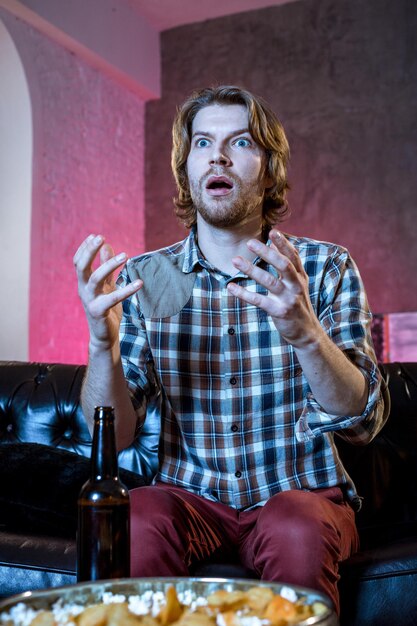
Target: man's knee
293	514
152	508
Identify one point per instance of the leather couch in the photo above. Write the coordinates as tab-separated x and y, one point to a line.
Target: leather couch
44	449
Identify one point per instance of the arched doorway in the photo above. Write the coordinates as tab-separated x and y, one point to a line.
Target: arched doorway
15	201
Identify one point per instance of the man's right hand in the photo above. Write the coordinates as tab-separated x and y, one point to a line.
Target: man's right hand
97	289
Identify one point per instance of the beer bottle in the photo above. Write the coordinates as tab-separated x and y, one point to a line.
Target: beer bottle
103	535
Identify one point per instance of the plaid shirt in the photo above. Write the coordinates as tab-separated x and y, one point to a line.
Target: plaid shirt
238	420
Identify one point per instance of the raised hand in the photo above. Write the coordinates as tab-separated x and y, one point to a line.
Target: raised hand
96	287
288	301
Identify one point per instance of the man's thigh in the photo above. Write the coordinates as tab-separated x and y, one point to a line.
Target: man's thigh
174	528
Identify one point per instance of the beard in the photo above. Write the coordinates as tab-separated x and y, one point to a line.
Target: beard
231	210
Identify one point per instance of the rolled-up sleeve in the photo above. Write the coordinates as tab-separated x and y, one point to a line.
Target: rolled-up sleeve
343	311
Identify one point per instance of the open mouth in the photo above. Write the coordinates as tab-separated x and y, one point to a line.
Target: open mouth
219	185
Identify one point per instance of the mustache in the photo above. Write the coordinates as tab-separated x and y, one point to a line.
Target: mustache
218	172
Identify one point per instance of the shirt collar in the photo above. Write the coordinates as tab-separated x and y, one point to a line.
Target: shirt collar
193	255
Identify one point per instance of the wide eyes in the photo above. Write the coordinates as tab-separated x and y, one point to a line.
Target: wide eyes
241	142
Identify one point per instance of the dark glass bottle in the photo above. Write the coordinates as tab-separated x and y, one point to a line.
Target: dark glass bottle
103	536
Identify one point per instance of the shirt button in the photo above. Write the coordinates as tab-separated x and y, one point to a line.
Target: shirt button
235	428
238	474
233	381
231	331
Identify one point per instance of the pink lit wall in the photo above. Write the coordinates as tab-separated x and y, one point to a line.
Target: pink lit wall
88	136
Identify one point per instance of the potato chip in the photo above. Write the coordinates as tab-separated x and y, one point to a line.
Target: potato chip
172	610
196	618
223	599
258	598
44	618
95	615
230	618
280	610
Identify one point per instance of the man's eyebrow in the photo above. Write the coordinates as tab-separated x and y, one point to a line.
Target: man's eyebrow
239	131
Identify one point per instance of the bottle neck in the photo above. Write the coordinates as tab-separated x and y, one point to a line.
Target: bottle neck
104	456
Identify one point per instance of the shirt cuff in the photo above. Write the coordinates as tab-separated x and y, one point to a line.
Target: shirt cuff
315	421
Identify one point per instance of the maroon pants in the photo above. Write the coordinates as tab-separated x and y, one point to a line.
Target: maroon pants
298	537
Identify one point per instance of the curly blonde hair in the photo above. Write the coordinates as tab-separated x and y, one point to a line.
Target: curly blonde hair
264	127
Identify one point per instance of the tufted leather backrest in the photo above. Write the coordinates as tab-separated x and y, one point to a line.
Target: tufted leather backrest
385	470
39	402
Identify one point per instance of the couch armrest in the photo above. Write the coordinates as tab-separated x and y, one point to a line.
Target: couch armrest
40	403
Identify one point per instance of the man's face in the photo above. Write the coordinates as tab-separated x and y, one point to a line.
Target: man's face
225	166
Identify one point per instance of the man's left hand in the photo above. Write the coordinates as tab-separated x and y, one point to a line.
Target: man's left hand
288	301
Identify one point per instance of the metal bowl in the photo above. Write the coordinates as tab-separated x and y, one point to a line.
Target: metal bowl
89	593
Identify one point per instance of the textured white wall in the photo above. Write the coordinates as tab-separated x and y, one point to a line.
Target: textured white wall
15	201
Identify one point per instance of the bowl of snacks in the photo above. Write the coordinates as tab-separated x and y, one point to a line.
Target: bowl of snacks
169	602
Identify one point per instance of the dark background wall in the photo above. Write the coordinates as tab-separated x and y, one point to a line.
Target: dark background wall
342	77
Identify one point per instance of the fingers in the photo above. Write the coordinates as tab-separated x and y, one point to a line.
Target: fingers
263	302
85	256
96	286
105	301
88	250
268	280
106	252
280	254
286	287
283	257
282	245
104	273
99	295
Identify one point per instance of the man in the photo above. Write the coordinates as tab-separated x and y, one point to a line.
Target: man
252	346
